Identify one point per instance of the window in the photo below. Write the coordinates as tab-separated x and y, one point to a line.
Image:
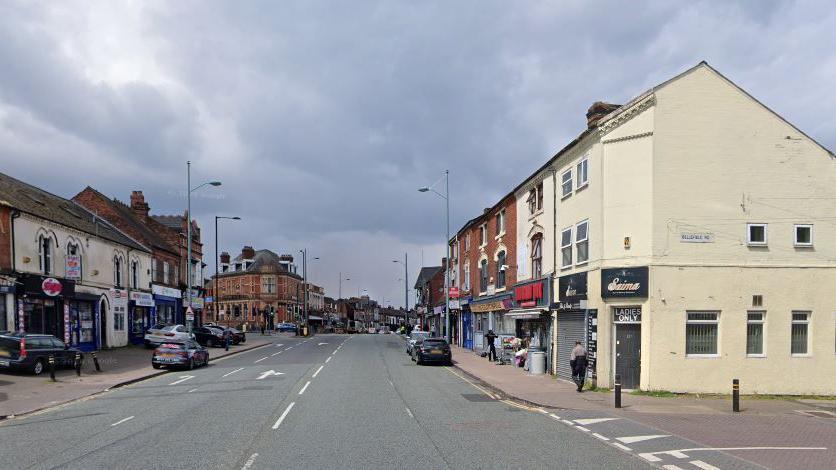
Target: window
117	271
754	333
483	276
532	201
582	242
134	274
467	241
500	222
268	285
701	332
800	334
803	235
583	173
540	196
500	270
483	235
566	183
566	248
45	252
537	255
756	234
466	280
74	250
165	272
154	273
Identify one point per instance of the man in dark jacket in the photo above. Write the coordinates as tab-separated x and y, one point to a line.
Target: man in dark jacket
491	336
577	360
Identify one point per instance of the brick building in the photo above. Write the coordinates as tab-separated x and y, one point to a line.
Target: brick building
429	303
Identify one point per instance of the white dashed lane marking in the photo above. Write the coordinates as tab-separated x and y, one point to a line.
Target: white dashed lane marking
283	416
584	422
632	439
329	358
317	371
304	388
703	465
230	373
259	360
122	421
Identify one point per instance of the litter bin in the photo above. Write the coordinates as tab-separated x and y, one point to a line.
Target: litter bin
536	361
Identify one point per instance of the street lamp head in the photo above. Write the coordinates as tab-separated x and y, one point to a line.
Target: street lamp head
215	183
236	218
423	190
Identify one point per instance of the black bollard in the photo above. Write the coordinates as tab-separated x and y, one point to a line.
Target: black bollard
96	362
78	364
617	390
52	367
227	342
736	395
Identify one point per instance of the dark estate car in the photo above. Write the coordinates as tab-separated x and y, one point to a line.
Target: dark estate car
187	354
238	336
30	352
210	336
432	350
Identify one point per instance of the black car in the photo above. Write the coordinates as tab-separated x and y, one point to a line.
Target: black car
210	336
432	350
237	335
187	354
30	352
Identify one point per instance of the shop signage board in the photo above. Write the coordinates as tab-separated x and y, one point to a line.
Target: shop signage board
454	292
533	294
623	283
591	341
66	323
142	299
51	286
627	314
72	264
7	285
21	325
166	291
454	304
573	288
696	237
491	306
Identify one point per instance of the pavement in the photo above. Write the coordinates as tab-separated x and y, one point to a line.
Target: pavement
779	433
328	401
22	393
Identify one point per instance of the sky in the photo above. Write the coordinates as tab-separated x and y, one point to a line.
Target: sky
322	119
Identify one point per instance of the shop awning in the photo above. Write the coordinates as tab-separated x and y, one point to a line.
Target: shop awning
525	313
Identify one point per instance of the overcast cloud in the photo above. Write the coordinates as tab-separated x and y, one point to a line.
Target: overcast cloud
322	118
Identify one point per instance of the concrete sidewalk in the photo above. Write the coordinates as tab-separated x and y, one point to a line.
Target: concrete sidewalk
21	393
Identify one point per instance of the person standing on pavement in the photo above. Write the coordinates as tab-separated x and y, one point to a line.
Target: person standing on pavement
577	360
491	336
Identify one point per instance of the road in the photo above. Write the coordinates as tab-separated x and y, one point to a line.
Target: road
322	402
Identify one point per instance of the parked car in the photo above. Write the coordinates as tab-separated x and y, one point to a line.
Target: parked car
413	338
286	327
432	350
210	336
30	352
160	333
188	354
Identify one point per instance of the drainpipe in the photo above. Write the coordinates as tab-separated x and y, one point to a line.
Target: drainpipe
554	271
14	215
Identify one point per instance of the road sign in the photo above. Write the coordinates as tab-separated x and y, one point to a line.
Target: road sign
454	292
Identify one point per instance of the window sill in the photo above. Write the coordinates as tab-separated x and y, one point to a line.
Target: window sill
565	196
801	355
756	356
564	268
584	185
582	263
803	245
501	234
702	356
757	244
535	214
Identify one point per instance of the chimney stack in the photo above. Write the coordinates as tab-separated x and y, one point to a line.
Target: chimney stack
598	110
224	258
247	252
138	203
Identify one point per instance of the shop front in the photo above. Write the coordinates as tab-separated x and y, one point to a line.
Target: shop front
7	297
489	314
83	312
531	315
141	315
628	287
167	303
467	323
571	319
41	305
437	320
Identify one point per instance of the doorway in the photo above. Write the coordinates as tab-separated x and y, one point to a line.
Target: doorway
628	343
103	322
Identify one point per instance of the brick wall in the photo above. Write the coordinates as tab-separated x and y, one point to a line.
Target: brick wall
5	240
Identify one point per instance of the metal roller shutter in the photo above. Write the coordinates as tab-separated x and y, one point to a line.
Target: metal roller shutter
571	327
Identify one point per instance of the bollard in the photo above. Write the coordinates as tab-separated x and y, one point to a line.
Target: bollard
227	342
96	362
52	367
78	364
617	390
736	395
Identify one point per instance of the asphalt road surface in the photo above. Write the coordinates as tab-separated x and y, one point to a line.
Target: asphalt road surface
323	402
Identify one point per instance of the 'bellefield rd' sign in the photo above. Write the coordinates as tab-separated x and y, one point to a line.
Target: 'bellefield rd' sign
621	283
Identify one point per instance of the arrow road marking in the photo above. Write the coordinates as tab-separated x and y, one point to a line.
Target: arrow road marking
632	439
585	422
183	378
269	373
283	416
122	421
230	373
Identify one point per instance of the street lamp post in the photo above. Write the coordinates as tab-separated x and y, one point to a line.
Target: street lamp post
446	197
189	190
405	280
215	298
341	285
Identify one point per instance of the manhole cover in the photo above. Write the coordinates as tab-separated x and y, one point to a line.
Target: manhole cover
476	397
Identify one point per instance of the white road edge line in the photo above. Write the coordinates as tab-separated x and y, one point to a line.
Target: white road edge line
230	373
249	462
703	465
554	416
317	372
192	390
259	360
284	415
582	428
329	358
183	378
650	457
671	467
622	446
123	420
603	438
567	422
304	388
409	412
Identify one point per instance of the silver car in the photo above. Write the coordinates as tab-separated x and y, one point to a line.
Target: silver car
413	338
159	334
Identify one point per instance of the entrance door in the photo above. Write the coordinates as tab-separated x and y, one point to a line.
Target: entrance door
467	332
628	344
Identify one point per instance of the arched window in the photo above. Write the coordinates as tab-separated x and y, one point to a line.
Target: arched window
537	255
117	271
500	269
483	276
45	254
134	274
74	266
466	280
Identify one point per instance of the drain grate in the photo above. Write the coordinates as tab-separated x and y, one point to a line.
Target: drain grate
476	397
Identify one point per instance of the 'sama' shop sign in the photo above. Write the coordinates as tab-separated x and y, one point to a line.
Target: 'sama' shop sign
620	283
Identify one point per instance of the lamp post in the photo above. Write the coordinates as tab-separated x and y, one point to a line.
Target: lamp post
190	190
341	285
215	298
446	197
405	280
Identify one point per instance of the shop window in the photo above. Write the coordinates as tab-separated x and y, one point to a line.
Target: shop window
583	173
566	182
45	254
582	242
537	255
483	276
754	333
756	234
804	235
500	270
701	333
800	334
566	248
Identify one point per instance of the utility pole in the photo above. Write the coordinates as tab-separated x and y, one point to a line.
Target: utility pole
189	240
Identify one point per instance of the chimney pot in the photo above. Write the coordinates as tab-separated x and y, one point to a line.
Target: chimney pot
225	258
138	204
598	110
248	252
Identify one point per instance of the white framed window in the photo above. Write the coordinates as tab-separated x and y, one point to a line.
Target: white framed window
466	276
756	234
483	276
154	270
500	223
134	274
500	270
45	254
166	270
800	334
467	241
540	196
582	171
566	183
268	285
702	331
566	248
537	255
755	321
117	271
532	201
582	242
803	235
483	235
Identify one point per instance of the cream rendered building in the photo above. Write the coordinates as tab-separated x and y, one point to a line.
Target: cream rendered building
700	224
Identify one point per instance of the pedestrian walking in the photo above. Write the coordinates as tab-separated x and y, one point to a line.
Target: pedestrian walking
491	336
577	360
